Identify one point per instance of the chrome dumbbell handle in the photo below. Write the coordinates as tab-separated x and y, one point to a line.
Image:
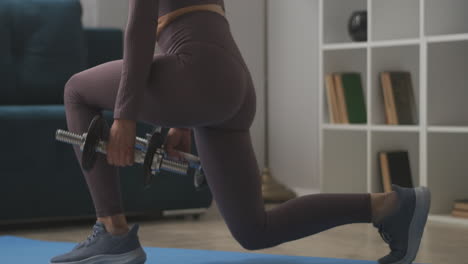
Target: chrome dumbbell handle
160	162
194	161
139	154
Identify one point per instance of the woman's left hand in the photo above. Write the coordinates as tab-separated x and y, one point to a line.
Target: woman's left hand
178	139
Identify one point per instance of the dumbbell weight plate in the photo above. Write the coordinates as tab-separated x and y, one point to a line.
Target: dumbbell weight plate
199	179
154	143
94	135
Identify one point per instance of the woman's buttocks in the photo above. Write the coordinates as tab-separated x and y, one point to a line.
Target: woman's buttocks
201	26
211	61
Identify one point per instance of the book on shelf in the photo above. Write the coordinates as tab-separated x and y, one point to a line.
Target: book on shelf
398	98
460	208
333	110
340	99
460	204
345	97
395	169
460	213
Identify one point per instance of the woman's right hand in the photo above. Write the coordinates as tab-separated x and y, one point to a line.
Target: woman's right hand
120	148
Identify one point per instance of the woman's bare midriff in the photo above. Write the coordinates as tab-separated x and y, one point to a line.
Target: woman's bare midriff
168	18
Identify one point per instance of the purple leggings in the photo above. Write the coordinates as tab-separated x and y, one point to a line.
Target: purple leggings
201	81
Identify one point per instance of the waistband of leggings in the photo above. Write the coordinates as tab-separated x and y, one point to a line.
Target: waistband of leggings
196	26
168	18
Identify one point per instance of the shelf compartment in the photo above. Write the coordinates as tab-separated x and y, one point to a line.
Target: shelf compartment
447	38
448	129
393	43
346	127
344	46
447	84
393	141
447	170
354	60
387	43
401	58
384	128
445	17
344	162
336	14
396	19
395	128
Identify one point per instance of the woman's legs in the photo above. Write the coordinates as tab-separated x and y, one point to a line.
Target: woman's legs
86	95
233	175
186	89
232	172
224	147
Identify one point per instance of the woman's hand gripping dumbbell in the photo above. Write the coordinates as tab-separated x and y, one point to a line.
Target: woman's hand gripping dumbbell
122	143
150	151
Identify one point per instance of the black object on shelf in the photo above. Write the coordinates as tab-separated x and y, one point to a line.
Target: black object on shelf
357	25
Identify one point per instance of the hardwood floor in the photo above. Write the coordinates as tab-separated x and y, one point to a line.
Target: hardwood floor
442	244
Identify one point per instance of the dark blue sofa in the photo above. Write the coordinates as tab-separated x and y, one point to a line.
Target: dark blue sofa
42	44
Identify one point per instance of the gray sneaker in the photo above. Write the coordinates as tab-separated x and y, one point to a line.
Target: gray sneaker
102	247
403	229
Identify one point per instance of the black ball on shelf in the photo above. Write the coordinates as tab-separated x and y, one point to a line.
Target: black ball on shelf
357	25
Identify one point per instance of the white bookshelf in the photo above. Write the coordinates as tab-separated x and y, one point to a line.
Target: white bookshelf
428	38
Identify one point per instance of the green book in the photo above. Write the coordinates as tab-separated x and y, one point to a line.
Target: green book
354	97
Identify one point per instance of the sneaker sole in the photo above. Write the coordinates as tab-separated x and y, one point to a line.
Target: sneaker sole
416	230
136	256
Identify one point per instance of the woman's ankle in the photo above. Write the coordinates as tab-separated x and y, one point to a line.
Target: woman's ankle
115	224
119	231
383	205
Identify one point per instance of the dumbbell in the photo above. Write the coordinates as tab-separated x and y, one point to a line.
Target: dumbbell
149	152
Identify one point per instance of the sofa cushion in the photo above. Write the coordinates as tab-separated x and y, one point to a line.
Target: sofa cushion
47	49
7	80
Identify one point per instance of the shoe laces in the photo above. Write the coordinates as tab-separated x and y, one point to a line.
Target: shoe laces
90	237
384	234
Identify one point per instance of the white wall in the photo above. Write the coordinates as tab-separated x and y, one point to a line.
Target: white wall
246	18
105	13
293	93
89	17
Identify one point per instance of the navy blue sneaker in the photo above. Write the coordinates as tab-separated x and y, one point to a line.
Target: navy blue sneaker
102	247
403	229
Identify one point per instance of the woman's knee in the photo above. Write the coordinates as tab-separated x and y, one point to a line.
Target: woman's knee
70	93
250	238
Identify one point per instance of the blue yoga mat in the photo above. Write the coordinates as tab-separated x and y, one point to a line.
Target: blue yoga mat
27	251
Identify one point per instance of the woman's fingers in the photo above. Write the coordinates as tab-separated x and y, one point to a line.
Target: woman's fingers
185	146
115	156
121	144
124	154
130	157
121	157
171	152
